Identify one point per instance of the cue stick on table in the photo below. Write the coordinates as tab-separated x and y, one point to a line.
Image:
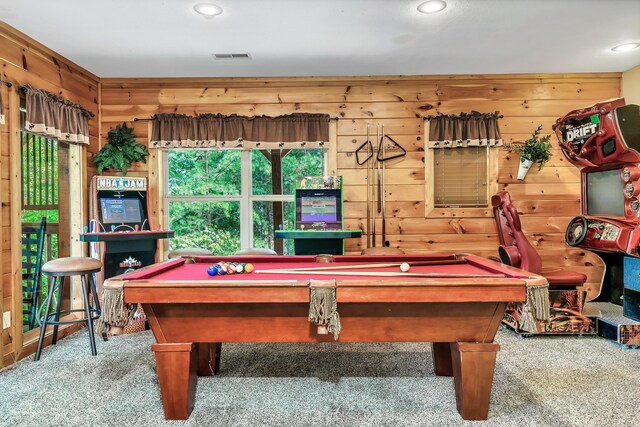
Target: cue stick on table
378	265
384	274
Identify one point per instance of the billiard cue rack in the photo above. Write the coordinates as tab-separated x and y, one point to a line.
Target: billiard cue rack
374	158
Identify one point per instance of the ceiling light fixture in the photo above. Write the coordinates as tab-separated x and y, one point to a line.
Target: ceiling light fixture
432	6
207	9
625	47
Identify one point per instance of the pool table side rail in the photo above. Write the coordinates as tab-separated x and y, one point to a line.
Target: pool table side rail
142	288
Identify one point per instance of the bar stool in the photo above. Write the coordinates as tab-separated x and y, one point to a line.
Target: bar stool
382	250
256	251
188	253
58	269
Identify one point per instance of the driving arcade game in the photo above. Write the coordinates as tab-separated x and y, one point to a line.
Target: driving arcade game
604	141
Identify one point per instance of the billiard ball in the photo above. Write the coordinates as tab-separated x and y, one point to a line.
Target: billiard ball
212	271
248	268
404	267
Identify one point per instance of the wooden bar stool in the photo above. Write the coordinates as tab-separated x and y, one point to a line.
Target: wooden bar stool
58	269
256	251
188	253
382	250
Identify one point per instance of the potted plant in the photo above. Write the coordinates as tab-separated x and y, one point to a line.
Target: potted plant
534	149
121	150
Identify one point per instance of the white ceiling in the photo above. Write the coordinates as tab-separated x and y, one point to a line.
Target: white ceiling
166	38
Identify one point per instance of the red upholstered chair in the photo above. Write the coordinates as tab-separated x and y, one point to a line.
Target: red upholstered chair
515	249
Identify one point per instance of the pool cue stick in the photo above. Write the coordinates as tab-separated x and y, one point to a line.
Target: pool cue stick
386	274
384	241
379	265
378	170
368	189
374	159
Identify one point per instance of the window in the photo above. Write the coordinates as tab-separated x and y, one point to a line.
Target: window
461	161
224	200
460	177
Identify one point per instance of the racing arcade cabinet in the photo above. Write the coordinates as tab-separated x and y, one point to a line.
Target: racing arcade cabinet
604	140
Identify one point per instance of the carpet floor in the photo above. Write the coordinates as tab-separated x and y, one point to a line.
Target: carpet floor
539	381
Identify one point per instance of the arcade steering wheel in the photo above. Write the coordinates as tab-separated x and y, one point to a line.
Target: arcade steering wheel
576	231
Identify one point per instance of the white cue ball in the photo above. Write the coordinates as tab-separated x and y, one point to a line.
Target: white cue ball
404	267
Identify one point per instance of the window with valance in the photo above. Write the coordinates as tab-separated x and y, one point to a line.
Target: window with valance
50	116
230	179
458	165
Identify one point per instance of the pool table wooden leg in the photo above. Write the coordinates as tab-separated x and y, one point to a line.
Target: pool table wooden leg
208	358
473	367
176	364
442	359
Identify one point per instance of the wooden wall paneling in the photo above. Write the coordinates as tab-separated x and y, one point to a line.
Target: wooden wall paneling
546	200
4	176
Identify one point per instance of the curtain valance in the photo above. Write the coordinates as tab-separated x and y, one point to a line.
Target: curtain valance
54	117
220	131
465	130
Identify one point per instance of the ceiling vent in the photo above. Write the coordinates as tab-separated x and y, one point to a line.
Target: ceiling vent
231	56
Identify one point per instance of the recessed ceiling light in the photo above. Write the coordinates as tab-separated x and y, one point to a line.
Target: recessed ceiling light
432	6
207	9
625	47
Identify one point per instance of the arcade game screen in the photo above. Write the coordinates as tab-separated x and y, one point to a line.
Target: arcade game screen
120	210
321	206
605	195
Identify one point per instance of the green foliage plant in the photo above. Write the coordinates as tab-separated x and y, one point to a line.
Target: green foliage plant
121	150
536	148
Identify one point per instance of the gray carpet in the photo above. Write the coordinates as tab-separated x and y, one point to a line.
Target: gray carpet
539	381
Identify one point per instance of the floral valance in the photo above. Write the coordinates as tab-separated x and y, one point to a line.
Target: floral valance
54	117
220	131
464	130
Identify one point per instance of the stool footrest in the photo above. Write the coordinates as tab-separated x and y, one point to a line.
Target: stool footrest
51	319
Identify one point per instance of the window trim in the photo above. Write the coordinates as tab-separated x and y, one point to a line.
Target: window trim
430	210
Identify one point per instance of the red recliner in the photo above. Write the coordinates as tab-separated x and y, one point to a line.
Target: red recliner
517	251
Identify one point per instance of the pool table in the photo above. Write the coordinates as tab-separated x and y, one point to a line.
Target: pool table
454	301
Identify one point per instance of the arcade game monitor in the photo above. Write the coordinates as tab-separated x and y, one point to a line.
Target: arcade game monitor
319	209
120	234
319	221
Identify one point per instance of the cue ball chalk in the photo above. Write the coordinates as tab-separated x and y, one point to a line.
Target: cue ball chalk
404	267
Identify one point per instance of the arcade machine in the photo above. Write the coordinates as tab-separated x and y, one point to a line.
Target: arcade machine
604	140
120	235
319	218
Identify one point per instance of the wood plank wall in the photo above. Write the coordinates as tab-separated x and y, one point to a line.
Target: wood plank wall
25	61
547	199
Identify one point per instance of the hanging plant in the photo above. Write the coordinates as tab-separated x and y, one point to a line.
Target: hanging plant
121	150
536	148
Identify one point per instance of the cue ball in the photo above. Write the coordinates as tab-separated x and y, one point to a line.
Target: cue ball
404	267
